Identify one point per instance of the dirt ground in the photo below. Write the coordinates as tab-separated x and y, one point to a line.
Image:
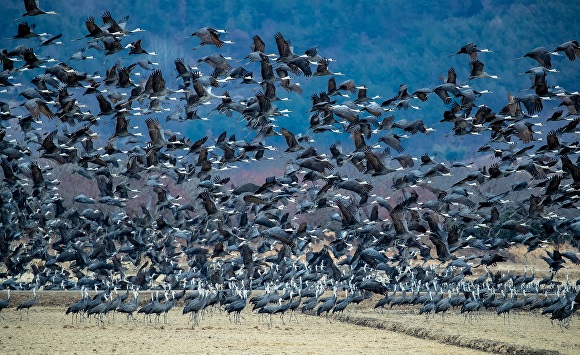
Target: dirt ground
360	330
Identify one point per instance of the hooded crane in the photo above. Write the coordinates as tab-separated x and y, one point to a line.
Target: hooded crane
210	36
32	9
28	303
5	303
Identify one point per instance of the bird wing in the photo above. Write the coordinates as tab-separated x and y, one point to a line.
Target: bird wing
331	87
358	139
347	216
569	166
208	204
374	161
476	67
44	109
290	138
48	142
451	76
215	39
110	23
283	45
155	131
104	105
440	246
532	103
443	95
92	27
393	142
158	83
30	5
258	44
570	255
181	67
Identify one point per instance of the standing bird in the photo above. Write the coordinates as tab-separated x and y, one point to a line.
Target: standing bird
167	306
506	307
5	303
197	305
79	306
100	310
443	305
327	305
341	305
28	303
237	307
130	307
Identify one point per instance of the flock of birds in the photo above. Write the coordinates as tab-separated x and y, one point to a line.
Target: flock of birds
410	229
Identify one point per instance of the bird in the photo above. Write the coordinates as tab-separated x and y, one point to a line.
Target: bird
100	309
476	71
105	106
26	31
443	305
540	55
130	307
322	68
167	306
393	141
563	314
184	71
284	49
160	307
47	41
156	133
5	303
237	307
136	48
327	305
78	306
187	206
112	45
27	304
37	107
146	309
570	48
210	36
445	89
471	50
32	9
217	61
293	145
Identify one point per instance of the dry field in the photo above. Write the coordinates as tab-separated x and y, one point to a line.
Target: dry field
360	330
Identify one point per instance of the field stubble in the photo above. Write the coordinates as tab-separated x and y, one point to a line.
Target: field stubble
359	330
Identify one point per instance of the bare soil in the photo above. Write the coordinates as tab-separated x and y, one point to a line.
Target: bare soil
360	330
